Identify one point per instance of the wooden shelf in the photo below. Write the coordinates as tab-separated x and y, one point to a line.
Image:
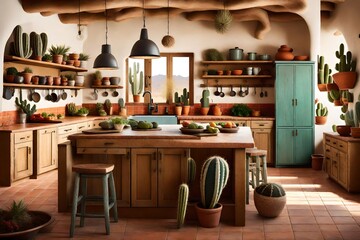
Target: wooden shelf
27	61
17	85
107	86
247	62
235	76
236	82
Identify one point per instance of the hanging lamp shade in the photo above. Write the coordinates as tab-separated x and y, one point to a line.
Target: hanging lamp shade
105	60
144	47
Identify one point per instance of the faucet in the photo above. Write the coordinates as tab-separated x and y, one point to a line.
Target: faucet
151	106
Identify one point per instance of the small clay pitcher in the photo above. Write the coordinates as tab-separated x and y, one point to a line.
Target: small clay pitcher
284	53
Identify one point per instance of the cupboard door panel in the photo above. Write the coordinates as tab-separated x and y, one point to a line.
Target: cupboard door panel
303	90
284	95
284	156
23	161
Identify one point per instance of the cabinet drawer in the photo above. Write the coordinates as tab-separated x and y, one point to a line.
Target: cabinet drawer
67	129
23	136
81	150
328	151
243	123
262	124
342	145
81	126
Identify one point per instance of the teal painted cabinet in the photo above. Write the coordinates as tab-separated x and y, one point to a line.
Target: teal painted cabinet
294	112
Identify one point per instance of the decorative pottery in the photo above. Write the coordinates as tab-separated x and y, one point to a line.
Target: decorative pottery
57	59
27	77
331	86
18	79
343	130
208	218
186	110
317	161
284	53
345	80
236	53
269	206
136	98
322	87
74	56
355	132
35	80
79	80
301	58
204	110
57	80
115	80
217	110
49	80
320	120
42	80
178	110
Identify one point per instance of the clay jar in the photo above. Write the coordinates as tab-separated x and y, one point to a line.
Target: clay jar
57	80
284	53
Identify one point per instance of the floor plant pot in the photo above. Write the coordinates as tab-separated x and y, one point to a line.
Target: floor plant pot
208	218
269	206
345	80
317	161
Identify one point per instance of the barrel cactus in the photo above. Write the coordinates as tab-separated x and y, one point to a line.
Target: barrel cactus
269	199
191	170
183	197
213	179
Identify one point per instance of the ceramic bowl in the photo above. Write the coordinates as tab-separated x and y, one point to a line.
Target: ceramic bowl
237	72
343	130
301	58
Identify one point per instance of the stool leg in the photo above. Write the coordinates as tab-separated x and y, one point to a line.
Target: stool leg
257	171
113	196
106	202
264	169
247	179
75	203
83	199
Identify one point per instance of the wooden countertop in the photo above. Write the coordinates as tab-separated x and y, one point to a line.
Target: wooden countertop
222	118
169	136
337	136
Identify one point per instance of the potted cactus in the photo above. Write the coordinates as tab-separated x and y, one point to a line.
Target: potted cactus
26	110
185	102
27	74
213	179
58	53
205	102
21	46
178	106
136	82
108	107
269	199
355	130
183	197
38	43
122	108
325	80
321	114
346	67
11	72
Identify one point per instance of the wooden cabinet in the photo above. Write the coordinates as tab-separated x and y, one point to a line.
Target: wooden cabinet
154	173
294	111
16	156
341	160
263	135
65	131
45	154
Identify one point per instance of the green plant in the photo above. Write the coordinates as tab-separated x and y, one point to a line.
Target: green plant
191	170
334	95
100	109
349	118
71	109
38	43
83	57
183	197
118	120
97	74
70	76
16	218
58	50
27	70
270	190
121	103
177	99
240	110
11	71
205	101
346	63
213	55
324	73
321	110
348	96
47	57
25	106
83	111
223	20
185	97
135	82
21	46
213	179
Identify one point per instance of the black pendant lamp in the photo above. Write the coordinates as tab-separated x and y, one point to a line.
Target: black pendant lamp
105	60
144	48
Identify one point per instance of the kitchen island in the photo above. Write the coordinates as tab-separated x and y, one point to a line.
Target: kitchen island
150	165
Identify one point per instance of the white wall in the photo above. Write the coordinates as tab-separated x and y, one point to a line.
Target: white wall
12	14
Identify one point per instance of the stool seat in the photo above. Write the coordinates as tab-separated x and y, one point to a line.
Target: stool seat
255	152
93	168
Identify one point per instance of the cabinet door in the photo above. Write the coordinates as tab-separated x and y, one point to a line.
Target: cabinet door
263	140
143	177
46	150
304	103
284	146
23	160
303	147
343	168
284	86
172	170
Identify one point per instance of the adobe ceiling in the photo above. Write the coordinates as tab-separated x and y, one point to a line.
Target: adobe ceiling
261	11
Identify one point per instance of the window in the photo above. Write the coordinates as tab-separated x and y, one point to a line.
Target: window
170	73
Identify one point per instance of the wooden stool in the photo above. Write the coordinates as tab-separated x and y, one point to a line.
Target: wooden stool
256	165
84	171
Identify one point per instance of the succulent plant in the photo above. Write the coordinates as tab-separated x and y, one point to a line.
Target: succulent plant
346	63
38	43
27	70
21	46
11	71
137	83
223	20
121	103
324	73
58	50
213	178
205	101
191	170
185	97
183	197
25	106
177	99
83	57
71	109
321	110
270	190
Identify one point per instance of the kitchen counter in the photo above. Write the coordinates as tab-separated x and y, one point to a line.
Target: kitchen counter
94	147
223	118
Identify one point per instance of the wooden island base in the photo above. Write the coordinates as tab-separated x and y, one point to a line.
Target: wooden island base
150	166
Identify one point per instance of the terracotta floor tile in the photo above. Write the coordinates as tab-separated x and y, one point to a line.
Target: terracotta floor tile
343	220
305	228
324	220
253	236
302	220
279	236
277	228
332	235
308	236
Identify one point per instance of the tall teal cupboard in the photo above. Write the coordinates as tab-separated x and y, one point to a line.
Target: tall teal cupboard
294	113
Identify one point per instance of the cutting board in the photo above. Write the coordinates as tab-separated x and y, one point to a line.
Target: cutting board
100	131
146	129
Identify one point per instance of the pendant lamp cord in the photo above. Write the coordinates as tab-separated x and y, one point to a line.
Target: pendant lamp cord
79	25
106	25
168	20
144	14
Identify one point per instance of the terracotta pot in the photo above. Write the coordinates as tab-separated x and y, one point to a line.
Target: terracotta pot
27	77
123	112
9	78
338	102
70	62
57	80
74	56
49	80
322	87
38	58
186	110
208	218
76	63
331	86
320	120
35	80
317	161
178	110
204	110
217	111
284	53
136	98
97	82
345	80
355	132
57	59
343	130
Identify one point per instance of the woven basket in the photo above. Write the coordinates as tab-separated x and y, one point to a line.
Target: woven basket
269	206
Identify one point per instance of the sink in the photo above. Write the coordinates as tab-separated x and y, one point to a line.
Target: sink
160	119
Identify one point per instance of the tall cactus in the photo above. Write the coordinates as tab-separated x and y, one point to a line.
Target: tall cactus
191	164
185	97
177	99
205	101
324	73
38	43
357	112
183	197
21	46
346	64
136	84
214	176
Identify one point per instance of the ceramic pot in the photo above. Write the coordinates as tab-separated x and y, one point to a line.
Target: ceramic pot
269	206
74	56
284	53
236	53
9	78
317	161
79	80
186	110
204	110
322	87
35	80
178	110
19	79
42	80
27	77
114	80
217	110
57	59
345	80
355	132
208	218
49	80
136	98
57	80
343	130
320	120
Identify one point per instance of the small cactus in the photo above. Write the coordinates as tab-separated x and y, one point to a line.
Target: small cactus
321	110
71	109
38	43
137	83
121	103
205	102
21	46
191	170
346	63
177	99
324	73
183	197
349	118
185	97
270	190
24	106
